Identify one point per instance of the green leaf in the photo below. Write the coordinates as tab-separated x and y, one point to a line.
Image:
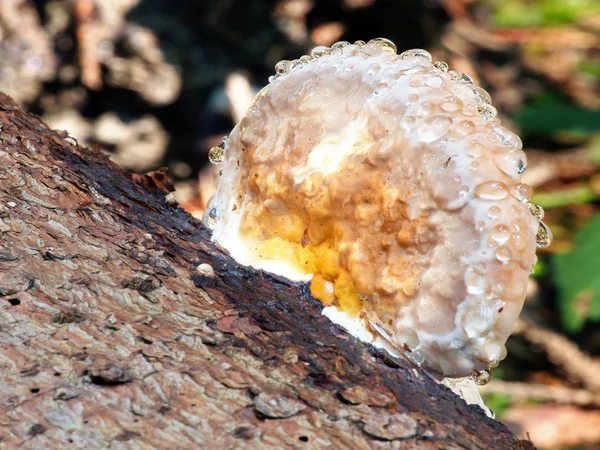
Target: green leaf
554	117
593	147
574	196
540	269
541	13
577	276
591	68
498	403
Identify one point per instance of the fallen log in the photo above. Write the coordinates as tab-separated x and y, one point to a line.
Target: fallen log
123	326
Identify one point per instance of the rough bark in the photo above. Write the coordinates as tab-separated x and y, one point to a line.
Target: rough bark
112	337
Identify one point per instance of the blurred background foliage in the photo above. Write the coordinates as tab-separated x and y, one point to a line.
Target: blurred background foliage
541	13
156	83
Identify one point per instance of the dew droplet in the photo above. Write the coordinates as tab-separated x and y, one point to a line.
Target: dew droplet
476	149
373	49
380	87
475	282
474	166
491	190
454	75
454	200
506	137
373	69
417	357
456	344
521	192
481	95
470	109
522	163
504	254
413	98
434	81
305	59
216	154
385	44
480	226
391	74
283	67
416	81
425	109
451	104
481	378
464	128
507	162
498	289
536	211
319	51
408	122
462	91
338	46
500	233
503	353
492	352
475	323
519	241
520	224
212	218
434	128
350	50
480	268
460	76
494	212
441	66
495	303
494	138
515	142
544	237
465	78
359	43
419	52
487	112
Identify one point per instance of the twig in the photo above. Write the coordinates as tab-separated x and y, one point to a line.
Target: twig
576	195
569	164
559	37
91	74
555	394
563	353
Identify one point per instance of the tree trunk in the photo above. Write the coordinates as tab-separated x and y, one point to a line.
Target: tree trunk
112	336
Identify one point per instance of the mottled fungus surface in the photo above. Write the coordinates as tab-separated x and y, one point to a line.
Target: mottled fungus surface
389	183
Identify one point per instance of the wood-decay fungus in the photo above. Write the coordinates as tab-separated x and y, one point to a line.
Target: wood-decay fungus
388	182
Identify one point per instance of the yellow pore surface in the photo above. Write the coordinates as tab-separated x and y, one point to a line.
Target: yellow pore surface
289	241
350	229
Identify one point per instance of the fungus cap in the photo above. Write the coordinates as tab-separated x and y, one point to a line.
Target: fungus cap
389	183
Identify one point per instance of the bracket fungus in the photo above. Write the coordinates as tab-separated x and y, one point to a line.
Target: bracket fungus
386	181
